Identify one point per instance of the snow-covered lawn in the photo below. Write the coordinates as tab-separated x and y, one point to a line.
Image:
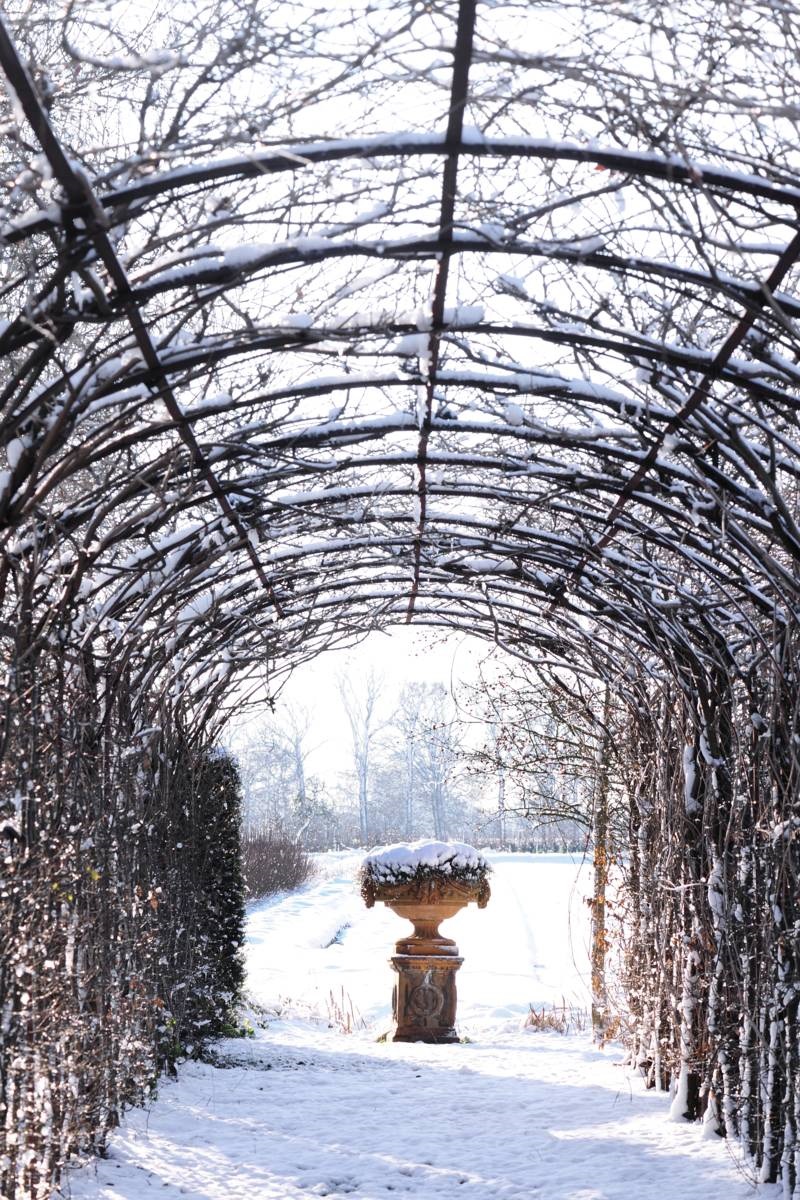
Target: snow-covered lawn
306	1109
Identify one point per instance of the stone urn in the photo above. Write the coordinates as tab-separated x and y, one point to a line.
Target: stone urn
425	882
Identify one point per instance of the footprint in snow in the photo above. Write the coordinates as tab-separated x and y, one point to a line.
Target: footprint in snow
335	1187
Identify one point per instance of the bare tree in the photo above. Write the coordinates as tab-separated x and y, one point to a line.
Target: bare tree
431	741
360	699
297	727
274	777
544	732
407	720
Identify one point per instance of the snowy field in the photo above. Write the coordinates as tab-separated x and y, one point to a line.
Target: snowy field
308	1108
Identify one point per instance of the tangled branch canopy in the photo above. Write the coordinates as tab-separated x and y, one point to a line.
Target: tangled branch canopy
318	323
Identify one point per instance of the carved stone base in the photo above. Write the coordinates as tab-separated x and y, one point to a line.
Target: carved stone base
424	1000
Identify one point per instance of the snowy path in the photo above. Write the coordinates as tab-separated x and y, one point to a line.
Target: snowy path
306	1110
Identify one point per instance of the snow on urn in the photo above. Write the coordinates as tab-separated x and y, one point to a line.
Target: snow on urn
425	882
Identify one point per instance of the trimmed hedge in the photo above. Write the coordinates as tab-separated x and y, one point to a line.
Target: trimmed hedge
121	915
273	863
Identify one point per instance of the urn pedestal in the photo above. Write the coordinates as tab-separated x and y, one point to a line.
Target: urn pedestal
424	998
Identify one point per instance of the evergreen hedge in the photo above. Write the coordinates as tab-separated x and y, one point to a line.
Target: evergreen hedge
121	913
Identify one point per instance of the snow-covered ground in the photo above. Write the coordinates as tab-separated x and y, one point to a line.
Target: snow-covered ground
308	1108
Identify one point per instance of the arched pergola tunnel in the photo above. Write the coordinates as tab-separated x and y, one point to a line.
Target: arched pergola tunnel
275	375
